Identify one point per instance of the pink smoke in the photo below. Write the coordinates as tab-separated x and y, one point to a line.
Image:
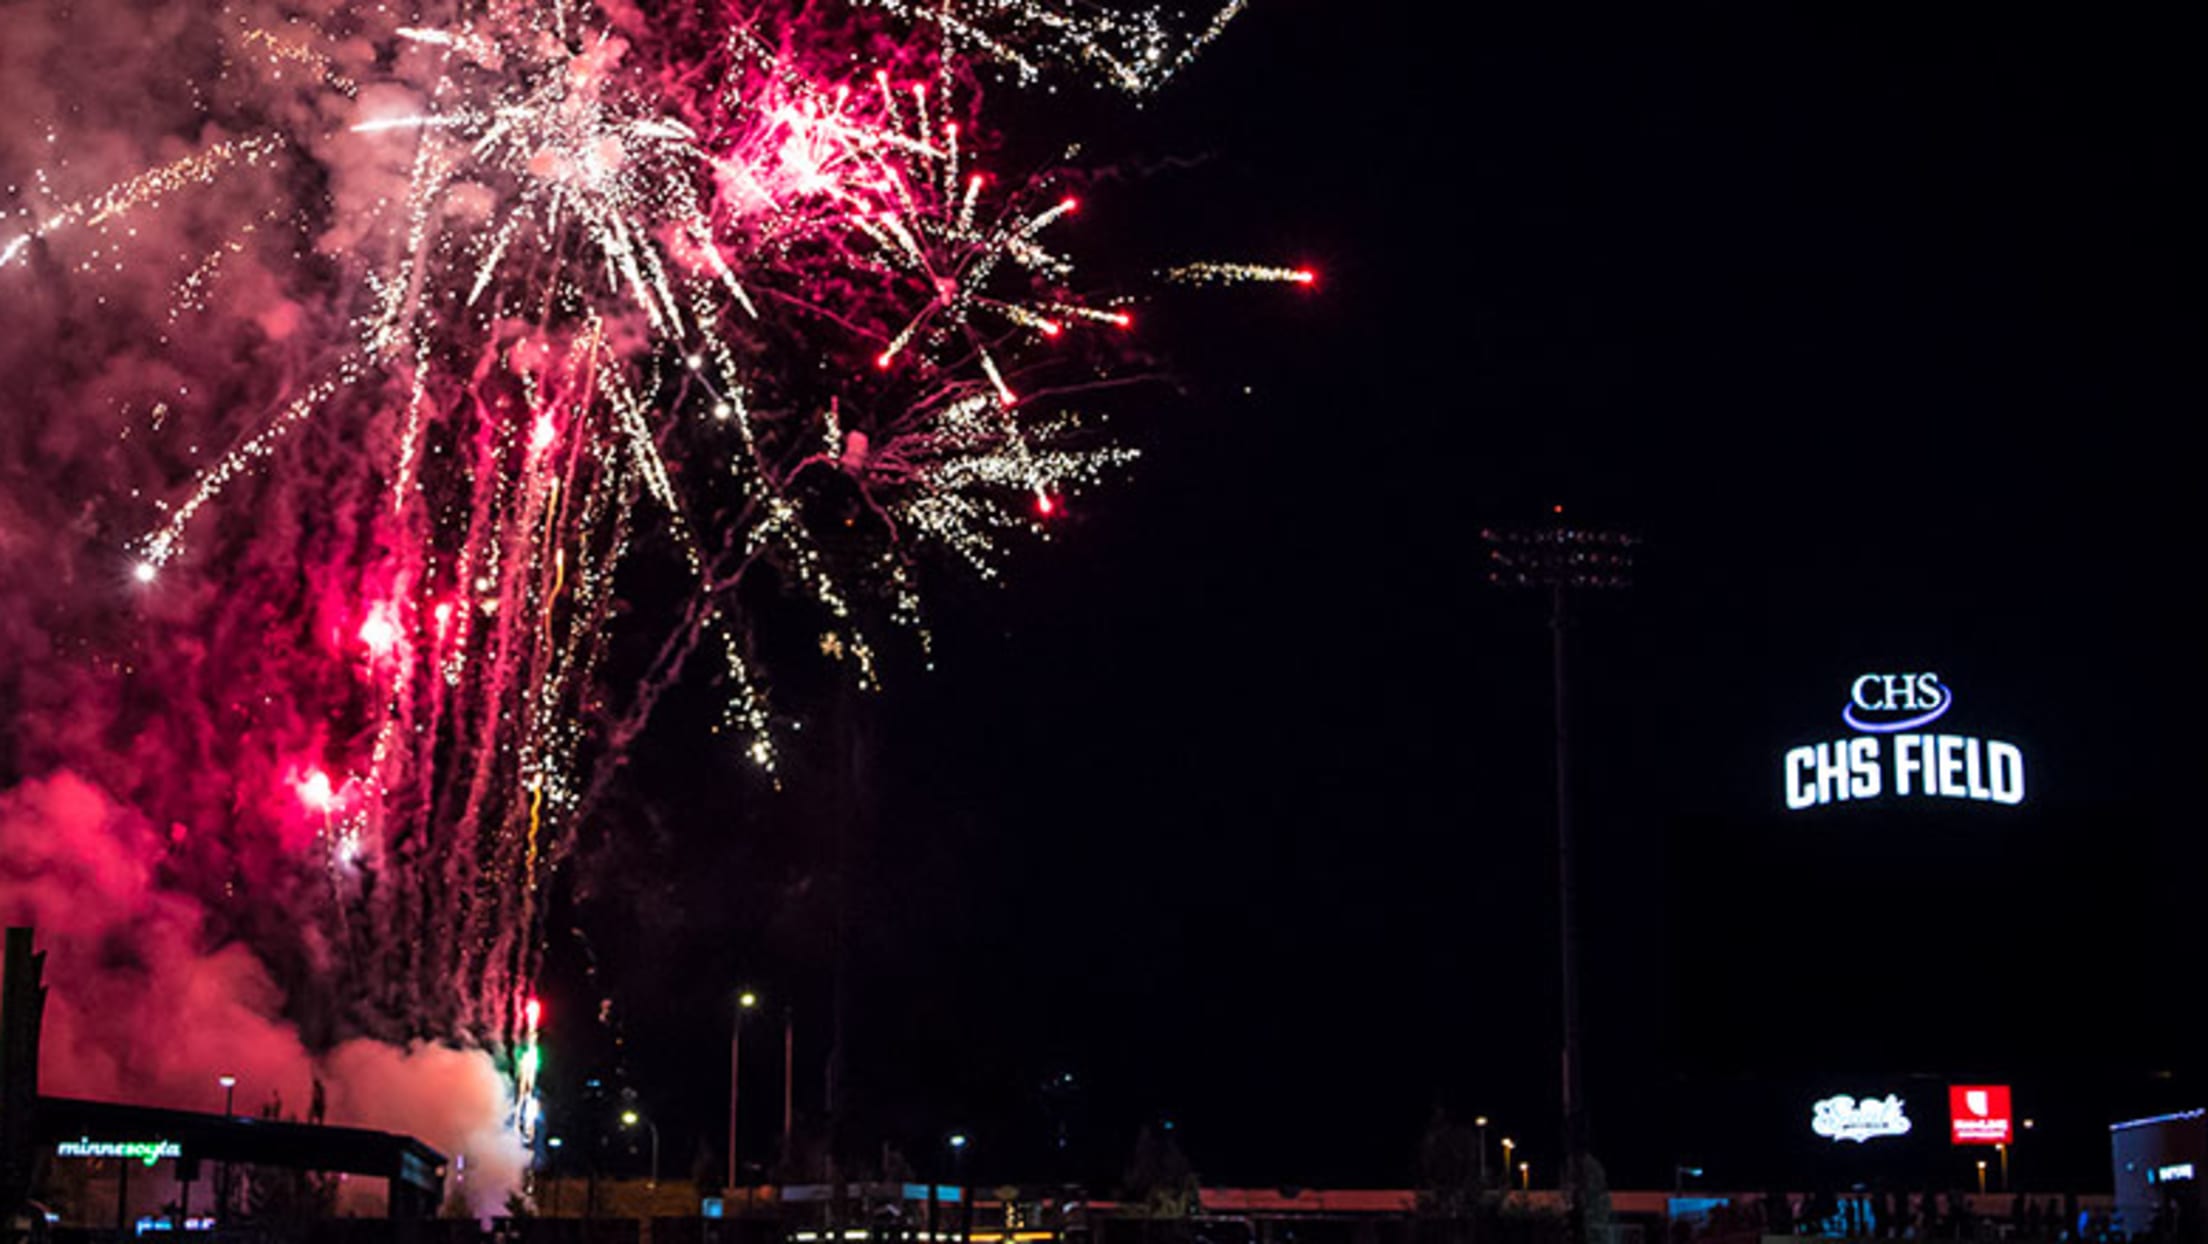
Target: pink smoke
143	1008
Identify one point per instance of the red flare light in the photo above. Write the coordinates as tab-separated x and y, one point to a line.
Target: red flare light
1045	506
1071	204
1304	276
532	1011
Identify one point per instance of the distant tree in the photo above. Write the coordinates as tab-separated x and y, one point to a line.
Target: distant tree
1159	1182
895	1168
1448	1169
1595	1184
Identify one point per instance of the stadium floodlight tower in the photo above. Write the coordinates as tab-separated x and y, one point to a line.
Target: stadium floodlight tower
1561	558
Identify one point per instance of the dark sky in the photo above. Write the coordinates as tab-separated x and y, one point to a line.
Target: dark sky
1234	803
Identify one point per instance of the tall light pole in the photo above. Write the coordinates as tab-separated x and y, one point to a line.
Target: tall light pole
1981	1176
744	1002
958	1142
1508	1145
630	1118
229	1085
789	1074
2003	1151
1479	1123
1560	558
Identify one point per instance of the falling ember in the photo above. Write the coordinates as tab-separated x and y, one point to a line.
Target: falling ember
543	433
1237	274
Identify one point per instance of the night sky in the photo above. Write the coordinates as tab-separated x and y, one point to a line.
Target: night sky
1233	803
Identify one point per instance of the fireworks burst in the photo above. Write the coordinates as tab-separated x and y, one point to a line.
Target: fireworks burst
746	290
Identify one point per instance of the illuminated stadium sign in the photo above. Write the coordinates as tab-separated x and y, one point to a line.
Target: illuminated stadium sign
1842	1117
147	1151
1979	1114
1892	754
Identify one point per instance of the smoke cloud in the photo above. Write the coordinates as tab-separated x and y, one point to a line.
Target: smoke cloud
143	1009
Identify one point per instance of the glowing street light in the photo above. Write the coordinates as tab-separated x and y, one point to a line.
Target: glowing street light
1480	1122
229	1085
958	1142
745	1001
1525	1176
1981	1176
630	1118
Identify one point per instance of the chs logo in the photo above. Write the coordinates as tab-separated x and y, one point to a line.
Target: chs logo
1889	756
1877	702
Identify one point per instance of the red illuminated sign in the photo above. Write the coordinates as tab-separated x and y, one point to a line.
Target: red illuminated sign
1978	1114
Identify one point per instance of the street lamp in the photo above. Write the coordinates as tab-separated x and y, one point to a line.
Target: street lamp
1560	558
1508	1145
229	1085
630	1118
958	1142
1525	1176
745	1001
1480	1122
2002	1151
1981	1176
